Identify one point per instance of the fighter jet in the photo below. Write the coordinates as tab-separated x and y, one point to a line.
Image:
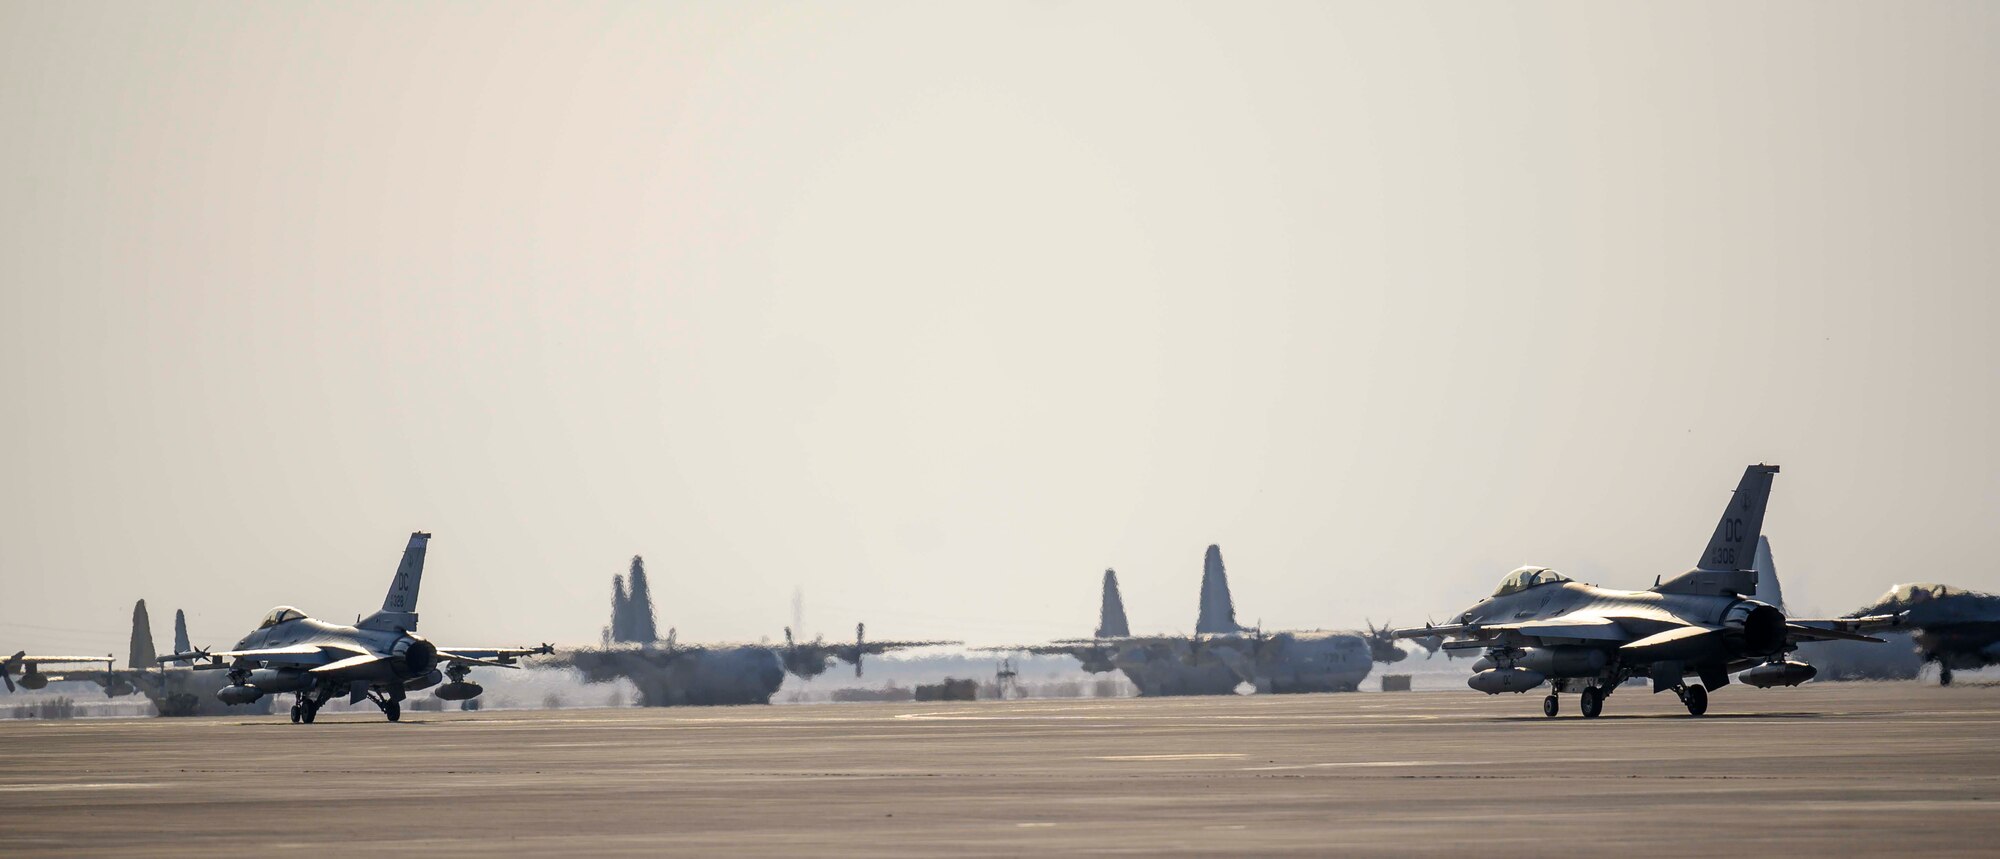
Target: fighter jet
1221	655
1540	626
672	673
1953	627
380	658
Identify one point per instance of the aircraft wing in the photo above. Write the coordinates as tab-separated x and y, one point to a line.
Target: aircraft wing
1079	648
355	661
881	647
24	658
1531	633
298	655
1587	627
497	657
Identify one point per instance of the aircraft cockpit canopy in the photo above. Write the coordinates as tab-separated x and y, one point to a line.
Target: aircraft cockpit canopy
1920	592
1528	577
280	615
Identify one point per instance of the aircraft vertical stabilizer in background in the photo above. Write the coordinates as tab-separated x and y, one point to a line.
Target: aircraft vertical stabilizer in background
1218	611
1111	613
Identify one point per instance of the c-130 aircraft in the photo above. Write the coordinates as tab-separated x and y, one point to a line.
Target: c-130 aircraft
1541	626
380	658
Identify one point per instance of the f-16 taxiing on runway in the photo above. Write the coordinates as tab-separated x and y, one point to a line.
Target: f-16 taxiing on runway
1542	627
380	658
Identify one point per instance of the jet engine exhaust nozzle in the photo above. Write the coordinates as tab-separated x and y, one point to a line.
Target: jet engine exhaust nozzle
1761	628
414	657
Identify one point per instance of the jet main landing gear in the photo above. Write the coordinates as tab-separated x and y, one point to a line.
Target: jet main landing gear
391	707
1592	701
305	709
1695	697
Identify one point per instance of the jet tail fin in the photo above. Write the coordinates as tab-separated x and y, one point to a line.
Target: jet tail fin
1218	611
399	608
142	656
1733	545
1111	614
1728	564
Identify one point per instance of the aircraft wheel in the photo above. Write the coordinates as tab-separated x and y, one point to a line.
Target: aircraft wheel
1696	700
1944	674
295	714
307	713
1550	707
1592	702
393	710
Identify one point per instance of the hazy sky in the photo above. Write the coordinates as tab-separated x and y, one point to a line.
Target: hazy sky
937	310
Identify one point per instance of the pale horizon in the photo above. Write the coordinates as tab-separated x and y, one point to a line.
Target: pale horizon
935	312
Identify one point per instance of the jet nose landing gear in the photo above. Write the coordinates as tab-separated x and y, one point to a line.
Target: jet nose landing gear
1550	707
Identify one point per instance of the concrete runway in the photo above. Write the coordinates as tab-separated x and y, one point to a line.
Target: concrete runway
1830	769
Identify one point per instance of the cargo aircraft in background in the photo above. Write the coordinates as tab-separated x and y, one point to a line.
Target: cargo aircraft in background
380	658
1541	627
1221	655
668	672
173	691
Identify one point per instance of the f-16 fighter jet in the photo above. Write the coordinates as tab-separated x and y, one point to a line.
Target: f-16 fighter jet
1541	627
1953	627
30	669
381	658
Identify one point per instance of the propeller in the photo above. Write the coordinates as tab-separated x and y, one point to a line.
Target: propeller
859	629
8	668
793	661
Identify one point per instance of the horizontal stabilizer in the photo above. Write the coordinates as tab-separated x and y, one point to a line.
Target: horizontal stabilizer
1802	632
448	656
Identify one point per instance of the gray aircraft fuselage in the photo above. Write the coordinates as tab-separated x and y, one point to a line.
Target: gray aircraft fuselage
685	676
1752	630
413	658
1217	664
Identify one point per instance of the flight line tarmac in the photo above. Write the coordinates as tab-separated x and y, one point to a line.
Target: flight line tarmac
1825	769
